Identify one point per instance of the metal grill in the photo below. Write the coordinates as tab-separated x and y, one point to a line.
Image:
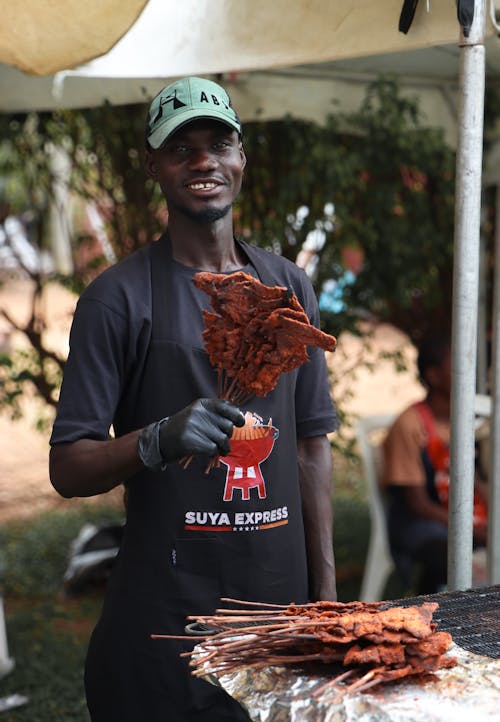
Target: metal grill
471	617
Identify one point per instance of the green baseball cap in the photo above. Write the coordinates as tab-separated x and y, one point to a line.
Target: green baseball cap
186	100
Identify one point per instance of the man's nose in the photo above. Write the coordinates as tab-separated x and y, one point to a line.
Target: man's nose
203	158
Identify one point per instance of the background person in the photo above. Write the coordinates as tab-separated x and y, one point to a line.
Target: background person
137	363
416	475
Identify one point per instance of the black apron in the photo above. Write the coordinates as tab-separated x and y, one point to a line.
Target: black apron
192	538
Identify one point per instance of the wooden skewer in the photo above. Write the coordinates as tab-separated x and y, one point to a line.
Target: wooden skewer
254	604
332	683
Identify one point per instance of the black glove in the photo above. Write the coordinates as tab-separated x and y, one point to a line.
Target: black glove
203	427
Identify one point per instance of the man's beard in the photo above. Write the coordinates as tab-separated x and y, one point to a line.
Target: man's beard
207	215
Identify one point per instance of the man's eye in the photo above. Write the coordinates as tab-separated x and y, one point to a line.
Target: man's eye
178	149
222	145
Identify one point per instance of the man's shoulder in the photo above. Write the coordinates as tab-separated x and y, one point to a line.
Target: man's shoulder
409	423
128	279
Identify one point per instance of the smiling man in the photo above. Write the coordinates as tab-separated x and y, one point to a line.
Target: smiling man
137	364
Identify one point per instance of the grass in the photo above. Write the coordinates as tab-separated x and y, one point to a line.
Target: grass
48	632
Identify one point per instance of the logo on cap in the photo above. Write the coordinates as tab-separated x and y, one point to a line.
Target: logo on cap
176	104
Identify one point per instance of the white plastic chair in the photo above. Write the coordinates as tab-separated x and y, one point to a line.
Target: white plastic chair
482	406
6	662
379	564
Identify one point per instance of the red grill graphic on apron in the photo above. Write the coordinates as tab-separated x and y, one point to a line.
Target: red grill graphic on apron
250	446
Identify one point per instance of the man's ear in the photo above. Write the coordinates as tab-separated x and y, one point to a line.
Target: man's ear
150	165
243	157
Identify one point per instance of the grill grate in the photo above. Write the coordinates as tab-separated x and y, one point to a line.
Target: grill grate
471	617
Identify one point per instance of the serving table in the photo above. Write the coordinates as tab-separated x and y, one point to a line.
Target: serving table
468	691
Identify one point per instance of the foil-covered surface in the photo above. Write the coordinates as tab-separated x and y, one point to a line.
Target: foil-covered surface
468	691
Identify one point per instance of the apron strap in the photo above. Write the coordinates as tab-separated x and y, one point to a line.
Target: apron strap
161	287
265	276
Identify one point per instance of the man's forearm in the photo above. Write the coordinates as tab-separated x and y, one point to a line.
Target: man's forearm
315	473
88	467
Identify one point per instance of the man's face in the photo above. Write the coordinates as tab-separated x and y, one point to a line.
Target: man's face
200	170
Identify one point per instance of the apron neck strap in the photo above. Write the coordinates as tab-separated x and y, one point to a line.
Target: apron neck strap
257	262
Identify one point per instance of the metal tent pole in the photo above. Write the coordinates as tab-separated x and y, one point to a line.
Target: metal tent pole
494	477
482	320
465	300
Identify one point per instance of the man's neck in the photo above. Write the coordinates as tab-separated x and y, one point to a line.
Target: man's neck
208	247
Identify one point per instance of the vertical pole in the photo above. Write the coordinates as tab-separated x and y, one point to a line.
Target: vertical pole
465	300
482	320
494	477
60	165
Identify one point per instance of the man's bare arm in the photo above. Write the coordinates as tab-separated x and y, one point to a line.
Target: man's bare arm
88	467
418	501
315	474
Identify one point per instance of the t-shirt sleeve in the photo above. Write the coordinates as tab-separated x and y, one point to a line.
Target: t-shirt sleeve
93	374
315	410
402	456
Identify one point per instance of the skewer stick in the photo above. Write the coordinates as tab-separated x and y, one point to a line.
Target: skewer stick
185	461
254	604
319	692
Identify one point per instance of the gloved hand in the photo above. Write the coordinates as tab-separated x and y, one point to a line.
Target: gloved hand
203	427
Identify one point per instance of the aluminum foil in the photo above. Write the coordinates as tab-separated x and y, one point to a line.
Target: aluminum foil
470	690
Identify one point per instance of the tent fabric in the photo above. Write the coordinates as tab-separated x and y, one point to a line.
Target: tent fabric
309	58
214	36
45	37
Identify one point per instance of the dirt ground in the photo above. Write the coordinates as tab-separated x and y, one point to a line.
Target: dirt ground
25	488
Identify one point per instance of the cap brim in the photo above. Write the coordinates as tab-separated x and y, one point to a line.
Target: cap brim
165	130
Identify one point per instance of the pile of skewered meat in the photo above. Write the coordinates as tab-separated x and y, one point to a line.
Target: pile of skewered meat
366	643
255	333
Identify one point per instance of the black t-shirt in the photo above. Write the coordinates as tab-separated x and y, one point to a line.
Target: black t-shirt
110	338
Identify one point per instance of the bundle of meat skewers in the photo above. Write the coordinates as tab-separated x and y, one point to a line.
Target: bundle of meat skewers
254	334
366	643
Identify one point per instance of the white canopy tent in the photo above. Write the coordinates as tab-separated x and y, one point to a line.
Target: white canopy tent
296	58
300	57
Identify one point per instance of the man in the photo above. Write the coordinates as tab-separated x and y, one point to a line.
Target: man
416	475
137	363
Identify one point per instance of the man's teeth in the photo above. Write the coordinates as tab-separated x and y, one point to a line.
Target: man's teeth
202	186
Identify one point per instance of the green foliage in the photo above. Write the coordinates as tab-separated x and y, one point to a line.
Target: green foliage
392	184
107	150
27	178
28	371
